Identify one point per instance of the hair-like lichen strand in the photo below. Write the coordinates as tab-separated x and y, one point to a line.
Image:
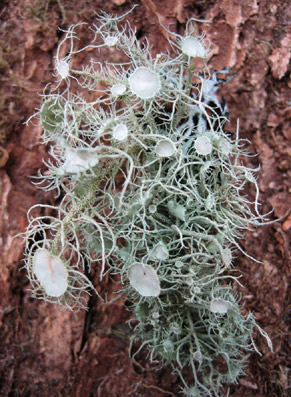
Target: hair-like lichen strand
151	189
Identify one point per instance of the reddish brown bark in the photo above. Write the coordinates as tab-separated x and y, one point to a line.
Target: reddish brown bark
46	351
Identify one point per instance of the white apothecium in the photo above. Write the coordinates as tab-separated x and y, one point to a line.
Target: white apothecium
203	145
110	41
160	252
63	69
144	83
78	160
144	279
165	148
50	272
120	132
118	89
193	47
220	306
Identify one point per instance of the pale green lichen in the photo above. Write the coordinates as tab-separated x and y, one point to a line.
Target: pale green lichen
152	190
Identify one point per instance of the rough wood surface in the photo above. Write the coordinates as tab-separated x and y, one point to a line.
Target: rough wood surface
48	352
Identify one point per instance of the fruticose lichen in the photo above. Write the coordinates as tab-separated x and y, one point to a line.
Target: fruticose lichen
152	190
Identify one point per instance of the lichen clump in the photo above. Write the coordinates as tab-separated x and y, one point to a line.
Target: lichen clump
152	191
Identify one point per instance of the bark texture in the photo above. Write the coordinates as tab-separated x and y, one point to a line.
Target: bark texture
48	352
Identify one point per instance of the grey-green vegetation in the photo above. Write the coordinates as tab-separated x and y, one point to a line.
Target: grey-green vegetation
152	190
